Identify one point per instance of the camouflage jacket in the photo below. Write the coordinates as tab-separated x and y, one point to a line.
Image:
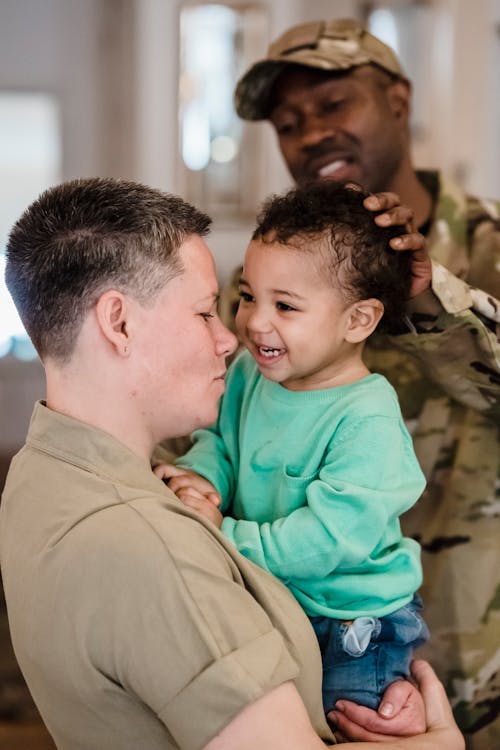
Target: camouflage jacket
446	370
447	374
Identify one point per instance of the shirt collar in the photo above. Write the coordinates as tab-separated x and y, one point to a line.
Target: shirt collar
89	448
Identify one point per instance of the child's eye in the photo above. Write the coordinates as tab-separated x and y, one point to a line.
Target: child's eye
245	296
284	307
207	316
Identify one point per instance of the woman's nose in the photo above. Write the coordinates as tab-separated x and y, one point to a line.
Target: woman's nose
226	342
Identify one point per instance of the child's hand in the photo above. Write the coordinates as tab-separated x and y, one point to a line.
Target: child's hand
202	504
193	489
179	479
400	714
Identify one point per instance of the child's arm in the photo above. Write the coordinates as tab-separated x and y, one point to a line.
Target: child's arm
179	479
368	479
193	489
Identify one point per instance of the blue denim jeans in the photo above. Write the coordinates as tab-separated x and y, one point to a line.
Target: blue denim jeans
362	657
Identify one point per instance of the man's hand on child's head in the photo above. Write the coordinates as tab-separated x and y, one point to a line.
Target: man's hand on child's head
395	214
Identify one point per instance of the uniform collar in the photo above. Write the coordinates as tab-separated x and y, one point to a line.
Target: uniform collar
89	448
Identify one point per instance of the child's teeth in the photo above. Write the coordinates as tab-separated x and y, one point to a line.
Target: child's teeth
266	352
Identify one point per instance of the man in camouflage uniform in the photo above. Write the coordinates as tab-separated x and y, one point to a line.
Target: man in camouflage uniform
339	102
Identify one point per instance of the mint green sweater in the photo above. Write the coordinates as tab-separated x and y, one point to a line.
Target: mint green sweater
313	484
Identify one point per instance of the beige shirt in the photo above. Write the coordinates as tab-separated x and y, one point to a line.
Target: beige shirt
134	622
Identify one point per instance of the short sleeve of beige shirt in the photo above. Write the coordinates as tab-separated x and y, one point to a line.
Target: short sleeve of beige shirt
179	628
136	623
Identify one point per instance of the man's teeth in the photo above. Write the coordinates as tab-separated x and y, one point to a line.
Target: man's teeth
332	167
266	351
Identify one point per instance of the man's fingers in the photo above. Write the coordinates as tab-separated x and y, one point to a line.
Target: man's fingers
382	201
393	213
398	216
413	241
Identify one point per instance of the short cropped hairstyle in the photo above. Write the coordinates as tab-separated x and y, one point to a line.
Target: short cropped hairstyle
83	237
329	220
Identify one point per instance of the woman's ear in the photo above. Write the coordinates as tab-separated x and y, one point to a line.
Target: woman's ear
112	311
362	319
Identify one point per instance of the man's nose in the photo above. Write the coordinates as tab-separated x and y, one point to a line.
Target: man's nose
315	129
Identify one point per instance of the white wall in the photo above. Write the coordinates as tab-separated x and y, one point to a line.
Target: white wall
57	46
460	91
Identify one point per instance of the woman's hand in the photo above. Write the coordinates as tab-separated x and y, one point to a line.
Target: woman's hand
400	714
404	717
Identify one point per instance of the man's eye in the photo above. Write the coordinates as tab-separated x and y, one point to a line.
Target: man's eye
333	105
207	316
285	126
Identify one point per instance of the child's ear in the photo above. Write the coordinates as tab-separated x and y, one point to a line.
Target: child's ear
362	319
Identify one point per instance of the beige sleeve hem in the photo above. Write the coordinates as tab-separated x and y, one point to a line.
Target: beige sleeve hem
214	697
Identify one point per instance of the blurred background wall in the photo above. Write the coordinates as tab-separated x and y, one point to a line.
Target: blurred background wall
142	89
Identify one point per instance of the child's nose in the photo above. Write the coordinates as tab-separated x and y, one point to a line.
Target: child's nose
258	321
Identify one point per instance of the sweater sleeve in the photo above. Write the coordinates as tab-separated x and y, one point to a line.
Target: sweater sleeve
215	451
369	477
209	458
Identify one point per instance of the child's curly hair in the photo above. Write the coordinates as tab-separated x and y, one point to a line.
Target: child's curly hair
330	220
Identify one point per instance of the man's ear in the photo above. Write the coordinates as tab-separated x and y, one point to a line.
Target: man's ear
399	98
362	319
112	310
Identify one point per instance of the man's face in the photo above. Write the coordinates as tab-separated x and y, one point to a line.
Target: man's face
180	366
349	128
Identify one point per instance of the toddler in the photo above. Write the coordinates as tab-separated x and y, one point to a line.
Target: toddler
310	465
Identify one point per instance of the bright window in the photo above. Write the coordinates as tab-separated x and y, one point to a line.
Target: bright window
30	161
219	167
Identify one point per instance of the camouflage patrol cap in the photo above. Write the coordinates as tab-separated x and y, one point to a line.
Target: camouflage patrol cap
340	44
